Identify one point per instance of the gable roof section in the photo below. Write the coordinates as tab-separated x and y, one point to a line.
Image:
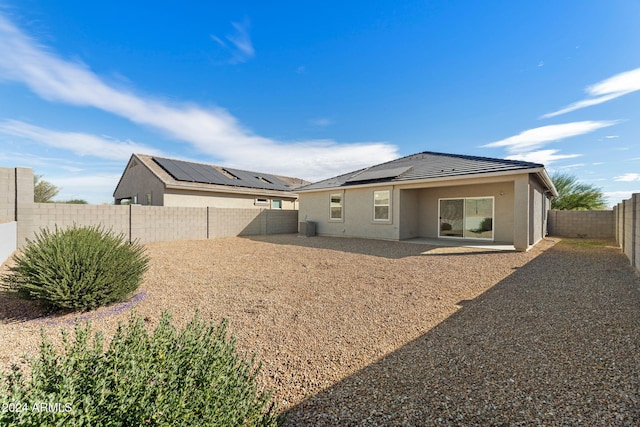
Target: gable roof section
180	174
422	166
208	174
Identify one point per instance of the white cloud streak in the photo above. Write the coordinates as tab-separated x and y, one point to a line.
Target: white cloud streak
606	90
533	139
211	131
544	157
81	144
241	48
628	177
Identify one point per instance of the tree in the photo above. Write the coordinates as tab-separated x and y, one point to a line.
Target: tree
43	191
573	195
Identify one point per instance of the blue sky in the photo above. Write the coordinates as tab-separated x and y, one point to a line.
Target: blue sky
314	89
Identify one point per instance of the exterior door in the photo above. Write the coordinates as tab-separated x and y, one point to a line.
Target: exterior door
466	218
451	218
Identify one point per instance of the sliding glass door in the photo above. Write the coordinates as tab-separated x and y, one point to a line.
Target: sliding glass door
466	218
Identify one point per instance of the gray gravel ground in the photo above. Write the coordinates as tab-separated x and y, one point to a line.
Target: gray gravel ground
555	343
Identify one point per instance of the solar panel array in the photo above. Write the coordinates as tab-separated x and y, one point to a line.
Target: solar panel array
207	174
372	175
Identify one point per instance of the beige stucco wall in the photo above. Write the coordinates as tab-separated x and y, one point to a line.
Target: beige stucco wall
414	208
357	214
139	181
222	200
537	203
502	192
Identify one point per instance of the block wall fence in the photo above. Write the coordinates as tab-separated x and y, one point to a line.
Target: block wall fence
142	223
585	224
627	217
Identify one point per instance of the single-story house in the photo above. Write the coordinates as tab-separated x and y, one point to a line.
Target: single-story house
436	196
158	181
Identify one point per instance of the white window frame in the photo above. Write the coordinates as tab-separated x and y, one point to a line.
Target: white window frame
273	201
382	220
341	196
261	201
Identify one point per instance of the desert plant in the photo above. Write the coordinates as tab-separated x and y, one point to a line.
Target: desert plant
168	378
77	268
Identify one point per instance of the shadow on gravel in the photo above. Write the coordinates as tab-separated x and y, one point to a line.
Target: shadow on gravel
555	343
370	247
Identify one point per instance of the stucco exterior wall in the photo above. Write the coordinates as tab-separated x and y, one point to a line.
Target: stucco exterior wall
357	213
537	217
223	200
414	209
139	181
8	239
428	207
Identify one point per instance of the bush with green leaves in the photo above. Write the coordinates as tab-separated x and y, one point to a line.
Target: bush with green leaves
192	377
78	268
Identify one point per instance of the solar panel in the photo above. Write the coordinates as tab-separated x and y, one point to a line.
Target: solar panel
372	175
207	174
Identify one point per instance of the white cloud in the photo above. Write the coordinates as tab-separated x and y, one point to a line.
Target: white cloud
544	157
211	131
533	139
81	144
616	197
628	177
239	43
606	90
321	122
92	188
612	136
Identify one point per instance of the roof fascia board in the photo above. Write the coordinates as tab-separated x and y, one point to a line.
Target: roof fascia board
430	180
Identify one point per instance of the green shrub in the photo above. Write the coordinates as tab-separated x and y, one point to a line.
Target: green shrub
168	378
78	268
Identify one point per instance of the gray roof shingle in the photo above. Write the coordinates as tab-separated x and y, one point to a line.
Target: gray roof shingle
421	166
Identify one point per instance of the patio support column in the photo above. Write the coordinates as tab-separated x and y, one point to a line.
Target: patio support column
521	213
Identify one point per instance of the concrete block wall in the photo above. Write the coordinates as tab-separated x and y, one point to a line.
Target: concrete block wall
162	223
142	223
589	224
226	222
7	194
285	221
628	229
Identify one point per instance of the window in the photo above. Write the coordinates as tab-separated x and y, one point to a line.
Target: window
467	218
134	200
335	207
382	205
149	199
276	204
261	201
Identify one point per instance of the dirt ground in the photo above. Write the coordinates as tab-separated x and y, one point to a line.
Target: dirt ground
316	311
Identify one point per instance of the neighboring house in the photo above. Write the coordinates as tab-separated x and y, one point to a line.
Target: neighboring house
434	195
157	181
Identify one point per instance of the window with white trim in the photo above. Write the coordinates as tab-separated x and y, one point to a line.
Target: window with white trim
335	212
382	205
276	204
260	201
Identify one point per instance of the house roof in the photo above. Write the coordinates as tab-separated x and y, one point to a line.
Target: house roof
423	166
180	174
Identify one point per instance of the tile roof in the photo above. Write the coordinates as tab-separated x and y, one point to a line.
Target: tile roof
422	166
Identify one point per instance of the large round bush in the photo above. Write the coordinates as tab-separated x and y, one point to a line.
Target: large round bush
78	268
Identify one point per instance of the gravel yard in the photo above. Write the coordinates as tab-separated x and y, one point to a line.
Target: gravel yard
363	332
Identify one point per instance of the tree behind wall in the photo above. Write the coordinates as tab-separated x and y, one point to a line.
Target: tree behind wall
573	195
43	191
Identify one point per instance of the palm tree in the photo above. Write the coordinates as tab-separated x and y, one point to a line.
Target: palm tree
573	195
